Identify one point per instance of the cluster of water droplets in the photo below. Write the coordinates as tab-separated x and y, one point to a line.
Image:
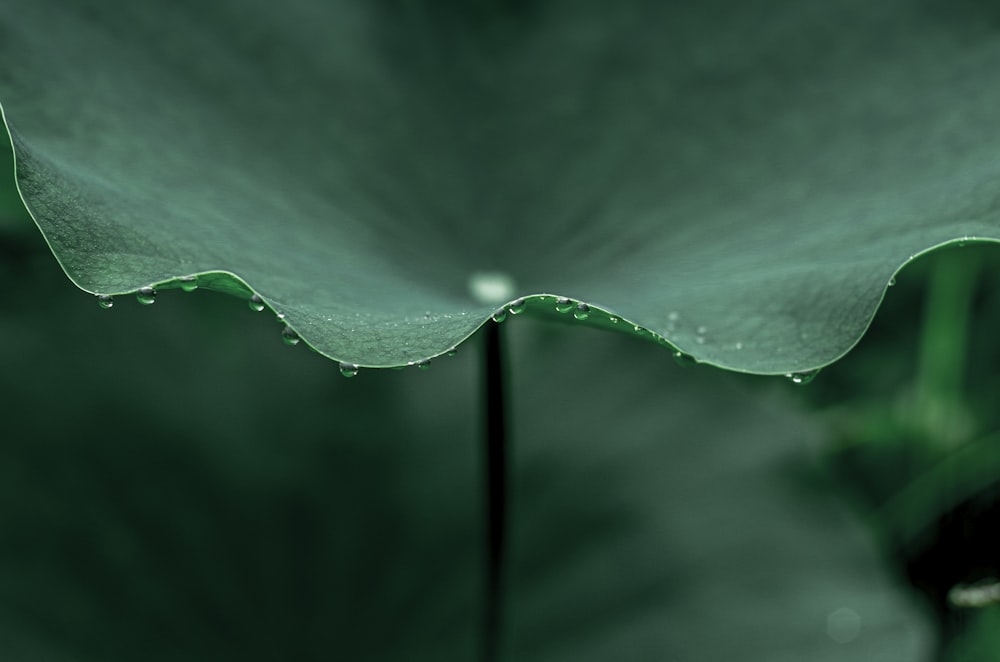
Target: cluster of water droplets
147	295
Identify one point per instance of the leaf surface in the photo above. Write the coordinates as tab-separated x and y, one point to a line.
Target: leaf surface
741	178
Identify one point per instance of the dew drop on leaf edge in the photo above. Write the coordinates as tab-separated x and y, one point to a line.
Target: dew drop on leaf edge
189	283
802	378
146	296
255	303
517	306
500	315
684	360
582	311
564	305
452	352
289	336
105	301
348	369
424	365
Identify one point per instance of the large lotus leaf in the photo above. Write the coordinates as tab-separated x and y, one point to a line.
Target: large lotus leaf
205	493
742	178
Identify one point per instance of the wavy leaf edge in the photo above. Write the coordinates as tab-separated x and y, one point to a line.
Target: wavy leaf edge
545	305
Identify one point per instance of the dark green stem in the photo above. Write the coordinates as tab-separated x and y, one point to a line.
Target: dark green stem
496	488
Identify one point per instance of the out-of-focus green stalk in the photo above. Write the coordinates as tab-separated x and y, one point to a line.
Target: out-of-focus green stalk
938	414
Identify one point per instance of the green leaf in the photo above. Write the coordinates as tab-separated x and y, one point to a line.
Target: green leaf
179	487
742	178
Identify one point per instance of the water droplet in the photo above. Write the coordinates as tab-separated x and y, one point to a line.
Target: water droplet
424	365
564	305
452	352
500	315
280	317
348	369
582	311
802	378
684	360
892	281
189	283
105	301
146	295
289	336
517	306
256	303
613	319
491	287
639	331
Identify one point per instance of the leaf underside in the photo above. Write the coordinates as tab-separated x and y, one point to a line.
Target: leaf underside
741	179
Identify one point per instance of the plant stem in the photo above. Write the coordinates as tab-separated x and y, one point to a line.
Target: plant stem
496	488
944	346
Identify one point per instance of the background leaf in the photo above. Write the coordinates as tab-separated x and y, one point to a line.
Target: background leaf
741	178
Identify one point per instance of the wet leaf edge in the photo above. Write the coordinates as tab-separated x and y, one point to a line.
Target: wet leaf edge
539	305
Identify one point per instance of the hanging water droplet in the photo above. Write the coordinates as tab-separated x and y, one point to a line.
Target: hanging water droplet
289	336
348	369
892	281
517	306
684	360
613	319
582	311
105	301
452	352
639	331
500	315
146	295
280	317
564	305
424	365
256	303
189	283
802	378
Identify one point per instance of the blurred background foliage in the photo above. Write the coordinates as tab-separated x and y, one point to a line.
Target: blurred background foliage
175	483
